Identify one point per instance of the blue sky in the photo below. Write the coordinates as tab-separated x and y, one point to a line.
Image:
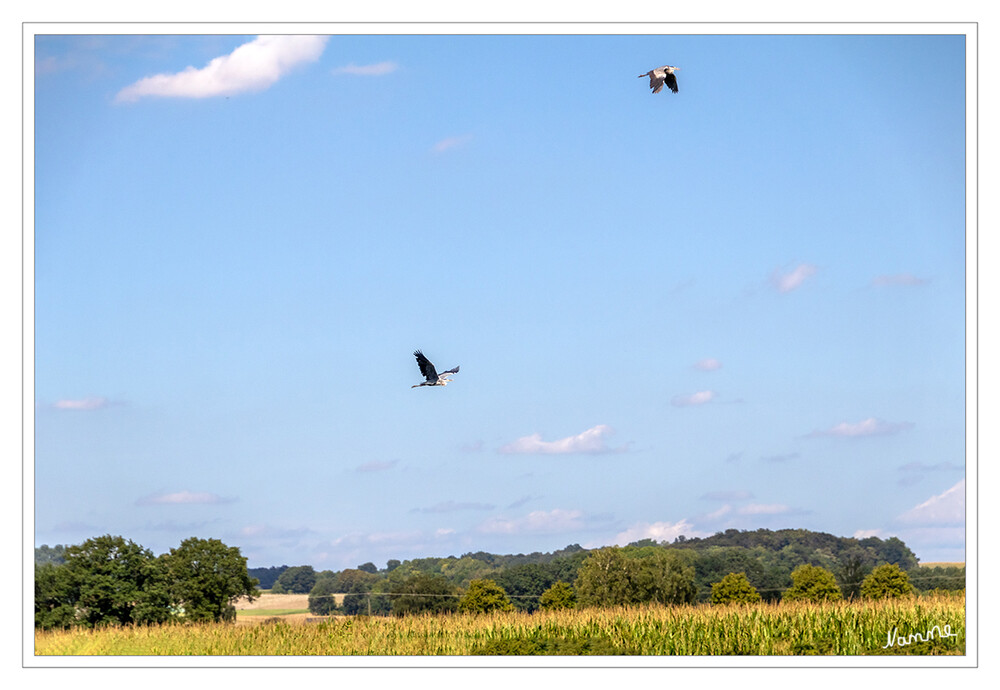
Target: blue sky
737	306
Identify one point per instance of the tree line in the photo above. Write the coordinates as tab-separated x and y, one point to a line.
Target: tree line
111	580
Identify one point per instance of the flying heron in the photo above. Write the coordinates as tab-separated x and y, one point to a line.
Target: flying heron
430	373
660	75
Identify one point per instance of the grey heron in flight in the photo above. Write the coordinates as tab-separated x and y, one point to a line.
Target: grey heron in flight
658	76
430	373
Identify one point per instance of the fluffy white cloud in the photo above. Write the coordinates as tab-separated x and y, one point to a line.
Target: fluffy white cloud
865	533
538	521
786	282
868	427
182	497
374	70
708	364
253	66
947	508
699	398
590	441
658	531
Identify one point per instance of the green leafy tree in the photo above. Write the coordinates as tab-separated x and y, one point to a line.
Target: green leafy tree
484	596
207	577
49	554
812	583
368	567
297	580
423	593
321	599
610	578
668	578
116	581
559	596
734	588
886	582
851	574
391	565
55	597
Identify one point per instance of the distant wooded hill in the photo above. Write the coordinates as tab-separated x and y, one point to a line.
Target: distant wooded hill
767	557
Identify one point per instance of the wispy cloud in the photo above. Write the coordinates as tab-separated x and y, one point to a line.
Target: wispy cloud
376	465
899	279
590	442
253	66
182	497
82	404
947	508
736	495
377	69
453	506
781	457
865	533
521	501
657	531
451	142
538	521
699	398
867	427
708	364
786	282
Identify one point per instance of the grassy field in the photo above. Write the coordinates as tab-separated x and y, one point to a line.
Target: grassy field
856	628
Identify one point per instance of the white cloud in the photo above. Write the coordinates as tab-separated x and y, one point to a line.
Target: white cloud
708	364
868	427
900	279
786	282
590	441
374	70
182	497
947	508
253	66
699	398
82	404
721	512
538	521
658	531
865	533
451	142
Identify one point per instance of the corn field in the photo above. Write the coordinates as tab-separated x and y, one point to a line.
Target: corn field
836	628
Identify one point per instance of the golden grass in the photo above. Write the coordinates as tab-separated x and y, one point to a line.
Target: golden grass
837	628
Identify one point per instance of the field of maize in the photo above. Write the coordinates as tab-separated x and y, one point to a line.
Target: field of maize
838	628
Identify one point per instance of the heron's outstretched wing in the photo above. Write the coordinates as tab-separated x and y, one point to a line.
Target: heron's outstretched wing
426	368
671	82
656	84
450	371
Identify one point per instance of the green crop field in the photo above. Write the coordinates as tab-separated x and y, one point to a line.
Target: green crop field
838	628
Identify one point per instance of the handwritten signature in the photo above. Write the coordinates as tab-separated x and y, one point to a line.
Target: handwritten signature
893	638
